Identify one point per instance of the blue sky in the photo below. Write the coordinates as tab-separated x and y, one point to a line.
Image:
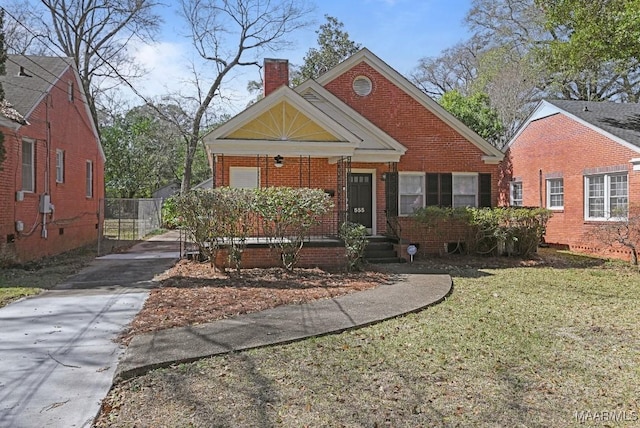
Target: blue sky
400	32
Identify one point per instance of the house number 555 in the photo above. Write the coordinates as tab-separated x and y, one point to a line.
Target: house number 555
358	210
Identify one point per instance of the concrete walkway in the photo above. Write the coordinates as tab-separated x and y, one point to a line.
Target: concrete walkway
57	349
283	324
59	359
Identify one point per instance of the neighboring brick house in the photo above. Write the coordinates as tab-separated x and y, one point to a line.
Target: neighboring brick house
51	183
364	134
582	161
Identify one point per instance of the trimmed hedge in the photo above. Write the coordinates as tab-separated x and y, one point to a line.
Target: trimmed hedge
490	231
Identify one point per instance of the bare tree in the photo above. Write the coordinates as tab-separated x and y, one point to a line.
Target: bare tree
95	33
228	34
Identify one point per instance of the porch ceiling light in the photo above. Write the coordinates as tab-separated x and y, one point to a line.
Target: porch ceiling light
278	161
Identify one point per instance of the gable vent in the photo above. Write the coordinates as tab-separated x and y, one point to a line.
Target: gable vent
362	86
311	97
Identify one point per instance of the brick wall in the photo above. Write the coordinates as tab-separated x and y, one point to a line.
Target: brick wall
330	258
432	145
559	145
75	217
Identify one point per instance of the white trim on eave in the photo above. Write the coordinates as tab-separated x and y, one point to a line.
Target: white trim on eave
545	109
364	55
284	93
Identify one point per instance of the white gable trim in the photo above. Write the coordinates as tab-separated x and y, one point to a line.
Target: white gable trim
216	137
545	109
352	115
364	55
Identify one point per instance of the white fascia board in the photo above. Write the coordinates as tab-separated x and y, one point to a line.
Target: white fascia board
283	148
351	115
283	93
376	156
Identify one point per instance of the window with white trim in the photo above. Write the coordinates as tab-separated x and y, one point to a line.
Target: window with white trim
606	196
516	193
465	190
244	177
555	193
89	180
411	192
59	166
28	166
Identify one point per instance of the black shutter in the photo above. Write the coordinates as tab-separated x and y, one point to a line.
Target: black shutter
433	190
484	190
391	193
446	190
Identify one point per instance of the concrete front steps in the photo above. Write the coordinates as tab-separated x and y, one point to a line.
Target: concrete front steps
380	249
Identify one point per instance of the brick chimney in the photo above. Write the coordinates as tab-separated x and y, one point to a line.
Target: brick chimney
276	74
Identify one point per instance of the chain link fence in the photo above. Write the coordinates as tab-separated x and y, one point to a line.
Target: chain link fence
128	220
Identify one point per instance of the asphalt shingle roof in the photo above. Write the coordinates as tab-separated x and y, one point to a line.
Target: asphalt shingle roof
619	119
24	90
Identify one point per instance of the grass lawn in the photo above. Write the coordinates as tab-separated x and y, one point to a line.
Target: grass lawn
9	294
511	347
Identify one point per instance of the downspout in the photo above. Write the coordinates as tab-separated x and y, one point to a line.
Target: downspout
540	186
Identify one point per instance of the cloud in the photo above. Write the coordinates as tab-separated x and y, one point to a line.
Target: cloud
166	67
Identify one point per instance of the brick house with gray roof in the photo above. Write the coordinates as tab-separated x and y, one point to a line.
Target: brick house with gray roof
582	161
51	182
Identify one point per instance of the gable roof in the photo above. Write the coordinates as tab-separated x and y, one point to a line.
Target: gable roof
29	78
277	124
376	145
492	154
617	121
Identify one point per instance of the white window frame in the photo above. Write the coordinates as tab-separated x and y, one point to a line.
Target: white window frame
513	201
59	166
239	176
550	193
89	179
421	193
28	166
607	196
457	176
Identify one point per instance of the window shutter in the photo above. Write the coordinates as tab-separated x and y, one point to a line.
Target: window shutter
446	190
433	190
391	194
484	184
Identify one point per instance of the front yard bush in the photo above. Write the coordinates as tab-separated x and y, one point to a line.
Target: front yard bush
489	231
287	216
354	236
225	217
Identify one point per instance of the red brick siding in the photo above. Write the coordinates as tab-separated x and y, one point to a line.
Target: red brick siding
74	214
310	257
557	144
432	145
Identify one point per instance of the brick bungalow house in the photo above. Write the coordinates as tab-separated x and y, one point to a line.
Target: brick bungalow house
51	182
367	136
582	161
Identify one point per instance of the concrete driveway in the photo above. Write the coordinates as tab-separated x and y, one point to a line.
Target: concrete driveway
57	349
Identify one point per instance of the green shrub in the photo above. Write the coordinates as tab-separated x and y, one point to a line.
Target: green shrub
170	217
287	216
490	231
354	236
223	218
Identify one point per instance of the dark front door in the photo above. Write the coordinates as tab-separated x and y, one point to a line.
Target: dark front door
360	199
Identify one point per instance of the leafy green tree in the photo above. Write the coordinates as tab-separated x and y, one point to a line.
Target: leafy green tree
475	111
334	46
588	33
145	151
